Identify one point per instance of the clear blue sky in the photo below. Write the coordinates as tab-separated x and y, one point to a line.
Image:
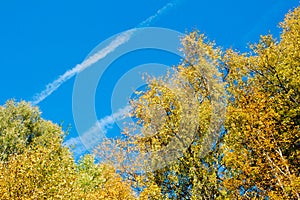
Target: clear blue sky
40	40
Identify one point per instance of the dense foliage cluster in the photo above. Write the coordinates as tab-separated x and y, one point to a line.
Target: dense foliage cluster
35	165
200	150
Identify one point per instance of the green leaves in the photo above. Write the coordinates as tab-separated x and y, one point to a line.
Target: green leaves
35	165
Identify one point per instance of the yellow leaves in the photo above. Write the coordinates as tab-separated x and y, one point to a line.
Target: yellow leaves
153	191
35	165
34	175
31	174
257	157
262	120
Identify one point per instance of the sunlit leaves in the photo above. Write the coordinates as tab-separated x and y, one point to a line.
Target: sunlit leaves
258	151
184	145
261	146
35	165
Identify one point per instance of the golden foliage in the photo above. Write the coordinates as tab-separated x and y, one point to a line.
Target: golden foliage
258	149
41	168
262	143
188	147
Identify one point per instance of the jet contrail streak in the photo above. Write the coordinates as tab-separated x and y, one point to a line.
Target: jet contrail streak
150	19
93	136
121	39
51	87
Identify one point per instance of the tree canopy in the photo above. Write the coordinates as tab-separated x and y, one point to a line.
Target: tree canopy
221	125
35	165
249	151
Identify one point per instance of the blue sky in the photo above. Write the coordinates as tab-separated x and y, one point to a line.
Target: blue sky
40	40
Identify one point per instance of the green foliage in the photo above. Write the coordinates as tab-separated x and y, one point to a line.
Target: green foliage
35	165
22	127
90	174
100	181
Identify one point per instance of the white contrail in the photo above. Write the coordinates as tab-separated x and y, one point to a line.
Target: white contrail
158	13
121	39
51	87
91	137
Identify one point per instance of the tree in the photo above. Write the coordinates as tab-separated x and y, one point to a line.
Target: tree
35	165
255	154
175	155
262	149
22	127
184	145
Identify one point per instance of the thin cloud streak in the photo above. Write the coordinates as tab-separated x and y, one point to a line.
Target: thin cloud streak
158	13
121	39
97	132
91	138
